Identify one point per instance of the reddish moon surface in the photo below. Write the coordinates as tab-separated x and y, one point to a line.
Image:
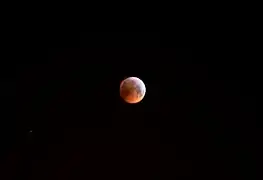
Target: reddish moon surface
132	90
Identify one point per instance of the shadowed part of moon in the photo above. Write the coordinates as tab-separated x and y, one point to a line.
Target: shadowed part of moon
132	90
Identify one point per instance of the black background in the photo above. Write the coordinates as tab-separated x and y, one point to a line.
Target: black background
194	119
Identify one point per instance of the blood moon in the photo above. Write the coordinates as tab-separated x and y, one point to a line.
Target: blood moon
132	90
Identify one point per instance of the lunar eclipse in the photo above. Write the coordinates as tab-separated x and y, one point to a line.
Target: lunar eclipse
132	90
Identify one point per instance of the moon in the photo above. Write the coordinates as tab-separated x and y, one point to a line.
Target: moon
132	90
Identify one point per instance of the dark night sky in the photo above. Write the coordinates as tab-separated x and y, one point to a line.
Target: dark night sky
189	119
